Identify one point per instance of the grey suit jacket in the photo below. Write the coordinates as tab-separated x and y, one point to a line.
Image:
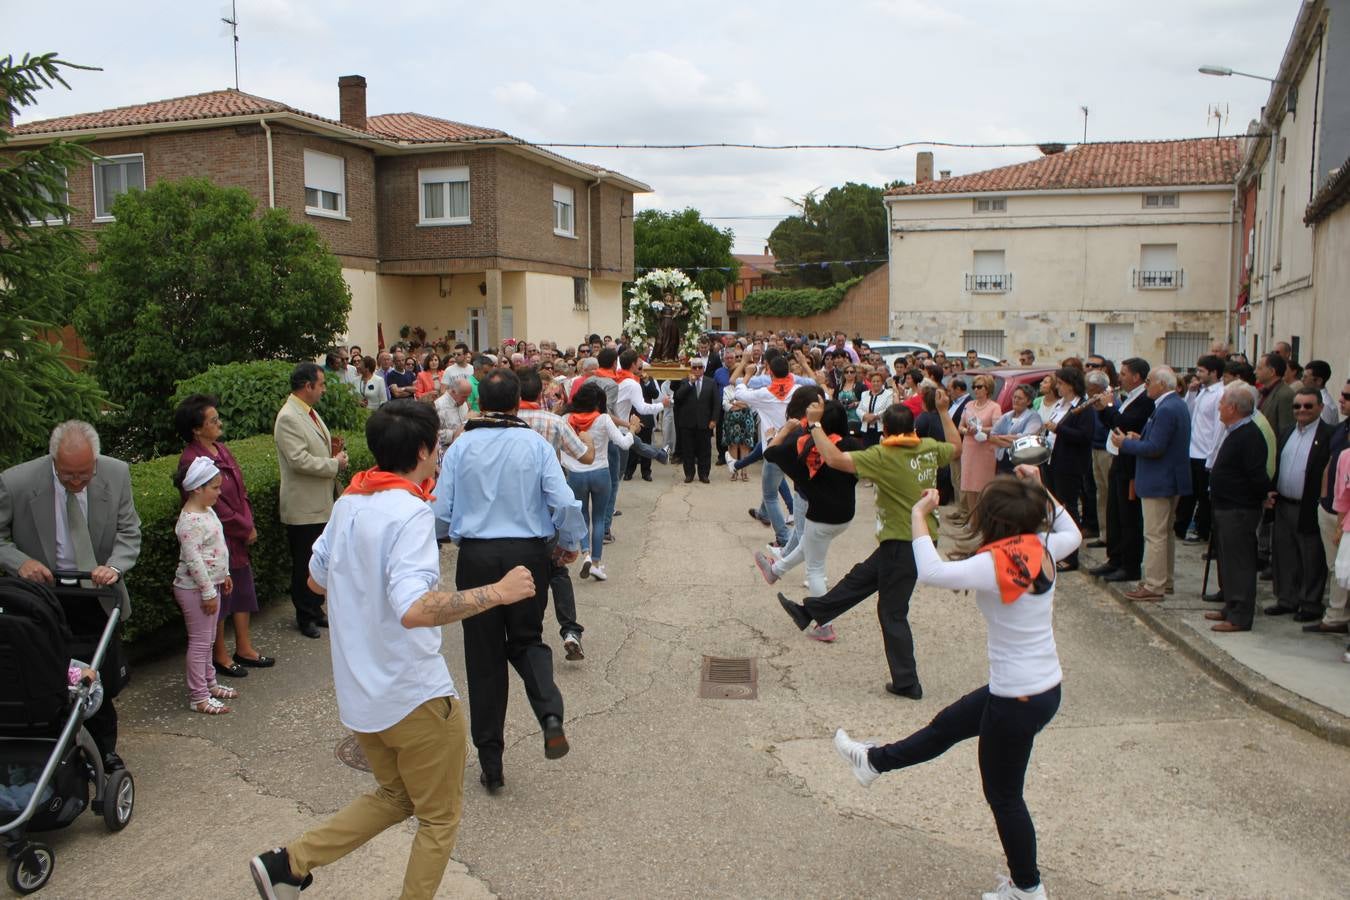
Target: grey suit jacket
28	518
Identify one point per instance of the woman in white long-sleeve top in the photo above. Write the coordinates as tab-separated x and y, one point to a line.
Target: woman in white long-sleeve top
1013	576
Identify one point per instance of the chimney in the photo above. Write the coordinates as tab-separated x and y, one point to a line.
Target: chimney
923	166
944	174
352	101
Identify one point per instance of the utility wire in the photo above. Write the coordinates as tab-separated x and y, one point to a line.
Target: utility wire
872	148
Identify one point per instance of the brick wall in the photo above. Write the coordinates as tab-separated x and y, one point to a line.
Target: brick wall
612	224
525	216
864	310
397	190
345	238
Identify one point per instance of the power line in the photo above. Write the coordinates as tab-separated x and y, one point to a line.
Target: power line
871	148
819	264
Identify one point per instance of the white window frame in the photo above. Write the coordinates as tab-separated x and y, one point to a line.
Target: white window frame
443	177
65	198
991	204
341	211
107	162
565	198
1162	200
1155	278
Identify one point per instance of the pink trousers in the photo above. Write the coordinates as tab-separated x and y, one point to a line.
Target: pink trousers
201	633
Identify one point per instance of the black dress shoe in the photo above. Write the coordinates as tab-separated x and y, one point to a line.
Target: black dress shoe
309	629
628	476
1302	616
231	671
1103	569
1216	597
555	741
1119	575
913	691
112	762
800	617
1321	628
321	621
705	480
646	476
492	780
688	479
1276	609
262	662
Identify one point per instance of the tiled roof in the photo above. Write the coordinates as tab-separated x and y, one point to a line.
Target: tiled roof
1107	165
211	105
760	262
1331	196
417	127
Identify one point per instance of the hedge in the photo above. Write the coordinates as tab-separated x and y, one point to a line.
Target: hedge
157	502
797	301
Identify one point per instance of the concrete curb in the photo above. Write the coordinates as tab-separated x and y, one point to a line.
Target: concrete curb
1251	686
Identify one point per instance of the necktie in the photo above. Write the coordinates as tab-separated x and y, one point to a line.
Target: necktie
698	388
315	416
78	528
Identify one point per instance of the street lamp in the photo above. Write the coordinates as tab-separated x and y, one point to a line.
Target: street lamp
1225	71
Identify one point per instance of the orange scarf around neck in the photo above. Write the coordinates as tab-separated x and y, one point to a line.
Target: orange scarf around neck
529	404
781	387
611	374
582	421
622	375
901	440
813	458
1017	565
375	479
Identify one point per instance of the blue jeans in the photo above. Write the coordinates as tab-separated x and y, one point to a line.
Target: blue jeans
798	525
771	480
617	458
592	489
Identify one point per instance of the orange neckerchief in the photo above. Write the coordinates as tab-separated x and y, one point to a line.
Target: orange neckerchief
582	421
375	479
622	375
900	440
813	458
781	387
528	404
611	374
1017	565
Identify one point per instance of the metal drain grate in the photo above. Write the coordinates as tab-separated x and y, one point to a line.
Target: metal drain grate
729	678
350	754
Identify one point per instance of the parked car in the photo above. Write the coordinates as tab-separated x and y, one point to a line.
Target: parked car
1007	378
986	362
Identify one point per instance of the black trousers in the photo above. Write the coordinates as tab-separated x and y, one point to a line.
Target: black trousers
1299	561
634	460
564	598
1006	727
696	448
1196	504
889	573
1124	524
1232	543
1068	488
1094	507
308	605
505	634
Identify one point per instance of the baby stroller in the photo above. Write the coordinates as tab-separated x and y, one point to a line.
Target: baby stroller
47	759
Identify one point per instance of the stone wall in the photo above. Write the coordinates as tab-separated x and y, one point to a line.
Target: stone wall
862	311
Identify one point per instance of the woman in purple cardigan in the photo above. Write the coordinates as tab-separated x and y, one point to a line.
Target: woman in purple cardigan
197	422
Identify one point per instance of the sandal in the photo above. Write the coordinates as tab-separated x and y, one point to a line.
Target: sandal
221	692
210	706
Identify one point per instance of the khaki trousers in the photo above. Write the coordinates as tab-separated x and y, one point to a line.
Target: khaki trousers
1338	611
419	765
1101	471
1160	542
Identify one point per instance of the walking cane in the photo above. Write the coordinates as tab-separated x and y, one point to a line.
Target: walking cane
1204	583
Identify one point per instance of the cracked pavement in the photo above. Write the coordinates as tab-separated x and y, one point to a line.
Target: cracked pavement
1153	781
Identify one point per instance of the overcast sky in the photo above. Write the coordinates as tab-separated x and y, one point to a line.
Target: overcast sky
850	71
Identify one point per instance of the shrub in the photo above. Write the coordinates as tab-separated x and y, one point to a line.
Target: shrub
151	581
797	301
250	394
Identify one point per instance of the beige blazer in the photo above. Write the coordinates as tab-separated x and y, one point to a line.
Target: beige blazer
308	469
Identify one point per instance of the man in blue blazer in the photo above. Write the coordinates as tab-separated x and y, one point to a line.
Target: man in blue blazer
1162	475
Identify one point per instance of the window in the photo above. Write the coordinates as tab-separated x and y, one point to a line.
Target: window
45	216
1162	201
988	343
1158	269
581	294
444	196
325	185
991	204
113	177
1183	348
564	211
1279	236
991	274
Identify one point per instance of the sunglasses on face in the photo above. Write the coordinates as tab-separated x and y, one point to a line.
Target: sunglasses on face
1345	396
1305	406
1093	365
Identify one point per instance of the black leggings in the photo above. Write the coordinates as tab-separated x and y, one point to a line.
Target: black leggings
1006	728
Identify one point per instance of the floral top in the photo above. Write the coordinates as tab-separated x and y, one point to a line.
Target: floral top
203	561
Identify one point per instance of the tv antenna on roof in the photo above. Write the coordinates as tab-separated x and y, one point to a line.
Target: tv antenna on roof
232	20
1219	113
1085	118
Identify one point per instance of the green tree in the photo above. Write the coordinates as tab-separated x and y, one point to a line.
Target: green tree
829	238
189	276
682	240
42	274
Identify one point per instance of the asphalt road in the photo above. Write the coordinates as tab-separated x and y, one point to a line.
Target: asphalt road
1153	781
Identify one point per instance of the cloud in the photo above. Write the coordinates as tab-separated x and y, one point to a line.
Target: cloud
917	12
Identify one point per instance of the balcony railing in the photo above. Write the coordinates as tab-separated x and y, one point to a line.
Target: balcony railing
1157	279
989	284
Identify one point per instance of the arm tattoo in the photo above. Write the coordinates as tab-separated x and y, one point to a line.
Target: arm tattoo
444	607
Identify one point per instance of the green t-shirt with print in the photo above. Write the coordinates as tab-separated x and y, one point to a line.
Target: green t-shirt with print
901	474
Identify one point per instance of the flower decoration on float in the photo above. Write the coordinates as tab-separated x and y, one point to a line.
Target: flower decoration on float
653	297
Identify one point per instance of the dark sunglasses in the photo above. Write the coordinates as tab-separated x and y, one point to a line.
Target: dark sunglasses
1305	406
1345	396
1092	365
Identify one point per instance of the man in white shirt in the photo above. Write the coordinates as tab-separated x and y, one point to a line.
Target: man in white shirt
452	409
1202	398
770	403
461	367
378	563
1316	374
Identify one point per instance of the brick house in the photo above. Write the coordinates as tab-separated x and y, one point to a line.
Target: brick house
1117	248
465	231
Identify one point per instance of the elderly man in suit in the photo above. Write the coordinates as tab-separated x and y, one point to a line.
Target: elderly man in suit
1124	516
697	400
309	468
72	510
1297	554
1162	475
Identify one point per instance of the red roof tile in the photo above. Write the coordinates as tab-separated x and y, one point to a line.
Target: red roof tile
211	105
760	262
1106	165
417	127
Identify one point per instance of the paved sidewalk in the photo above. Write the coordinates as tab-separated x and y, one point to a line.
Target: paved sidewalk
1275	666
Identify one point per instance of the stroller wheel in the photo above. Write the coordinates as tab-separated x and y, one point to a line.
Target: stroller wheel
31	868
118	800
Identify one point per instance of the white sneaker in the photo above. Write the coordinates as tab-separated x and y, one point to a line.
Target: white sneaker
1006	890
1346	656
598	572
586	566
855	754
765	565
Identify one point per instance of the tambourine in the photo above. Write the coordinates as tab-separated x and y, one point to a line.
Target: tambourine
1030	450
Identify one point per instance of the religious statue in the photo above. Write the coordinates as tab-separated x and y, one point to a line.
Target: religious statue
670	332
